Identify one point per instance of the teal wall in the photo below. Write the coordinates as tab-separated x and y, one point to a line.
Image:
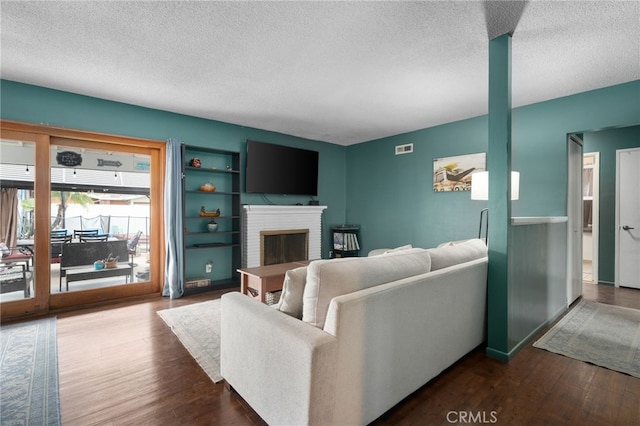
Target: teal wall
391	196
33	104
606	142
540	141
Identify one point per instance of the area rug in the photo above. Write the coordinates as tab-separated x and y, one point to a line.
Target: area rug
604	335
197	327
29	374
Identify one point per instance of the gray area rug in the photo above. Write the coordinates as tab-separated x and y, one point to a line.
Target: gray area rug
29	374
198	329
604	335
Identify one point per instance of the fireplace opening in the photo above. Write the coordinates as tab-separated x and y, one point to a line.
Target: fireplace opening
283	246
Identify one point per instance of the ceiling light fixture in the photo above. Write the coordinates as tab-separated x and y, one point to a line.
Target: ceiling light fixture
26	171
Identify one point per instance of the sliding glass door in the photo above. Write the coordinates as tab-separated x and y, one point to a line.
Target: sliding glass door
85	213
17	214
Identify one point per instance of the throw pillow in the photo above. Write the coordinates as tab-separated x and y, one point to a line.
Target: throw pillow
405	247
327	279
292	290
378	252
448	255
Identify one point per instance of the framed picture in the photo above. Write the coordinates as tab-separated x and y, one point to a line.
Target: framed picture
454	173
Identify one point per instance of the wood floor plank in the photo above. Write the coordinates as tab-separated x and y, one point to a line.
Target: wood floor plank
121	365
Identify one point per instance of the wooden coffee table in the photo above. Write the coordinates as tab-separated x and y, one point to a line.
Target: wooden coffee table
256	282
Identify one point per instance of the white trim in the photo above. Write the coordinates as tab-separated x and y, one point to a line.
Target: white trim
533	220
595	227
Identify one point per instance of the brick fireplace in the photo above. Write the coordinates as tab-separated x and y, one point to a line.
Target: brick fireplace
285	231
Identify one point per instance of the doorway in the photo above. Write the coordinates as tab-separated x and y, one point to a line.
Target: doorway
590	216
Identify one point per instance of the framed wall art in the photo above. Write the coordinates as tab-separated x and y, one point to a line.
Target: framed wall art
454	173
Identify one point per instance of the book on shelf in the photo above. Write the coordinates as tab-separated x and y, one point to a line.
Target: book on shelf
345	241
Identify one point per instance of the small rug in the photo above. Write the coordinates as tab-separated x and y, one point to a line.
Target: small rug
604	335
197	327
29	373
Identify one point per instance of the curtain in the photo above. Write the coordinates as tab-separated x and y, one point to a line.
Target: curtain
9	216
174	272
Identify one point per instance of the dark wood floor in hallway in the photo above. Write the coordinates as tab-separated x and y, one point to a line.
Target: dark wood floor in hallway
121	365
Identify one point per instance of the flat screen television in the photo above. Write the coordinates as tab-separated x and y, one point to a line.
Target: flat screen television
278	169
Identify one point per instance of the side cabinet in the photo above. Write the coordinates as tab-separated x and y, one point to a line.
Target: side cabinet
346	241
211	213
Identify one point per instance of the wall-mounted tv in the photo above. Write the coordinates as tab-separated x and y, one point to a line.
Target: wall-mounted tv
278	169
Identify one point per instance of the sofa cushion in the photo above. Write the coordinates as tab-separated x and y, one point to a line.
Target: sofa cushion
292	290
448	255
327	279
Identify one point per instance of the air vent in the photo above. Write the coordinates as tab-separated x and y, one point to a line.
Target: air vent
404	149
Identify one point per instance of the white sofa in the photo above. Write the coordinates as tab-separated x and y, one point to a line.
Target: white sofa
373	330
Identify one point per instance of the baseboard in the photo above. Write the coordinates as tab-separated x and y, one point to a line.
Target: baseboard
508	356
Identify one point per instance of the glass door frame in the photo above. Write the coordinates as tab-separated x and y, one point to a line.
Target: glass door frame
44	137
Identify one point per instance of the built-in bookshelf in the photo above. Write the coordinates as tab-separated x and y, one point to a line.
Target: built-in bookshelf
212	225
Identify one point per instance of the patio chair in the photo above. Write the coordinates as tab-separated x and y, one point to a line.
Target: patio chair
77	233
132	244
13	255
56	247
58	233
96	237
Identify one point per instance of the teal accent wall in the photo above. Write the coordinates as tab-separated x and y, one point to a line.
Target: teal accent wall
391	196
606	142
39	105
540	141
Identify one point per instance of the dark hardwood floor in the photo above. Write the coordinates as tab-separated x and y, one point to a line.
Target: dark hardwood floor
121	365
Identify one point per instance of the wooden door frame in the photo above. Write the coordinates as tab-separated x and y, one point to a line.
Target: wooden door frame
44	137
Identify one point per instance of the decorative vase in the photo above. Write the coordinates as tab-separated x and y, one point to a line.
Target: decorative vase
212	226
98	265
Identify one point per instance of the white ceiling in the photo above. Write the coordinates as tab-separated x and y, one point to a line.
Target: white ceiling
340	72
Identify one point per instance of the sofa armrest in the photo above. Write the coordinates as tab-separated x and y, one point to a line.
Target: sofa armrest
282	367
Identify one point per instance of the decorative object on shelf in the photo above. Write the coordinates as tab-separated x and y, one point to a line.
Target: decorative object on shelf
212	226
195	162
204	213
208	187
98	265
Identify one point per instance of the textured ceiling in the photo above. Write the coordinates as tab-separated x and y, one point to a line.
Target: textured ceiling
340	72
